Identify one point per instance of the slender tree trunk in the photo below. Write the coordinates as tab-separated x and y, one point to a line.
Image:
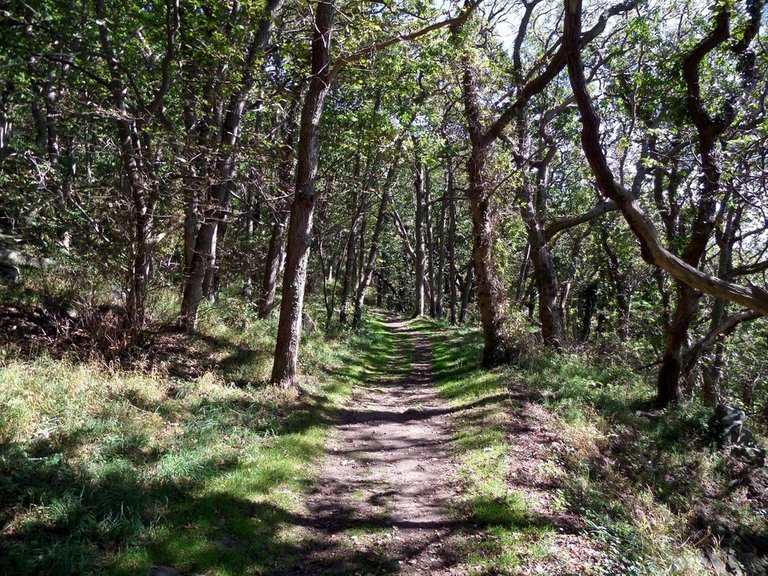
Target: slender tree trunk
275	257
429	246
300	227
139	182
272	263
420	280
452	271
441	254
466	293
370	263
348	280
621	289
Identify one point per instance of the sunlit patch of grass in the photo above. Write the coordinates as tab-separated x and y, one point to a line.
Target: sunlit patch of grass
636	479
512	533
109	471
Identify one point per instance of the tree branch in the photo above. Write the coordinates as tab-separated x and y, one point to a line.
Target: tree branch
562	224
379	46
642	226
555	66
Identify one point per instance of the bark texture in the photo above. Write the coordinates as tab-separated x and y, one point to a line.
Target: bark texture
302	210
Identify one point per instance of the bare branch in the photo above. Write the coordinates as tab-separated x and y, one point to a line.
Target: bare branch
643	227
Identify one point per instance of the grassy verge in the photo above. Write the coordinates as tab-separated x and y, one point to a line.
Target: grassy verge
108	470
513	533
651	488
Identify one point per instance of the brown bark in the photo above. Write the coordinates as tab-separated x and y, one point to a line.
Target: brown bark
370	262
641	225
491	291
691	280
302	210
348	278
441	253
620	286
532	202
451	241
272	264
466	293
200	275
141	184
420	279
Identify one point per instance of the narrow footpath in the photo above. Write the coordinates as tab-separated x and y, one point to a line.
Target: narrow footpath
381	505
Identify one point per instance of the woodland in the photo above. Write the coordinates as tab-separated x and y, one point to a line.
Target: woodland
526	240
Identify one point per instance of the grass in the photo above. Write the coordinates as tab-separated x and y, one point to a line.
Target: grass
513	534
108	470
652	491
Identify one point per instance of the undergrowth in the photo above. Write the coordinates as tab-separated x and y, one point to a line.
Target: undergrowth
115	469
650	487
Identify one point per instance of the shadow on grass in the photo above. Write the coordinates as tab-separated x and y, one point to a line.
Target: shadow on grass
99	499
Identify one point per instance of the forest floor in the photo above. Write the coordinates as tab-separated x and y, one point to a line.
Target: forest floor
403	456
393	495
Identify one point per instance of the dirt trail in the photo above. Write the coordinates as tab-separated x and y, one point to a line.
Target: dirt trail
381	503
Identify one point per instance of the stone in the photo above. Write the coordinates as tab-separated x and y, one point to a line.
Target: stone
726	424
728	427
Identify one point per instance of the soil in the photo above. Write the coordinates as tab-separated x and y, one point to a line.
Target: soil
381	504
386	495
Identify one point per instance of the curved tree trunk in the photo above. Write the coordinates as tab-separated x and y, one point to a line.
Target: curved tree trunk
685	269
491	292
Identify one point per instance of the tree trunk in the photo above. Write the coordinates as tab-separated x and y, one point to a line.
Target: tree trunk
441	253
370	263
491	292
452	271
466	293
272	263
348	280
668	389
552	329
621	289
429	245
300	227
420	280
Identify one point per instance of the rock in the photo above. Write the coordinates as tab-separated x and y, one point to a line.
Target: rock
716	562
727	426
16	258
749	455
734	566
164	571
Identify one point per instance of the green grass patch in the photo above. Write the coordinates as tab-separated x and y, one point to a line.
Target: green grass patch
644	482
512	532
105	470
